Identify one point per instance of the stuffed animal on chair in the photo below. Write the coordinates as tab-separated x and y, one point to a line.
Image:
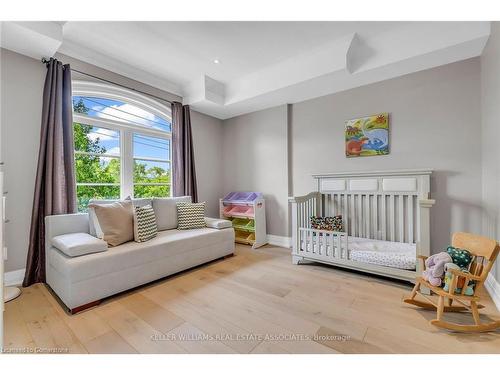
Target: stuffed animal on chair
448	276
434	268
460	257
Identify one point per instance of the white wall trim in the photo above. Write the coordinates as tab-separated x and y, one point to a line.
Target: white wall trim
14	277
493	287
279	241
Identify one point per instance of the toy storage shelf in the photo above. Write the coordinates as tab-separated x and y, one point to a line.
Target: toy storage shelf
247	212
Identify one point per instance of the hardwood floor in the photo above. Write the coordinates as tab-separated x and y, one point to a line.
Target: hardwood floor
254	302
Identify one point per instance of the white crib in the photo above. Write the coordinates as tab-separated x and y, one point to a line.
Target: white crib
385	210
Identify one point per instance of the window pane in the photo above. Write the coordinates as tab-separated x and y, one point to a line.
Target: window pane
149	191
119	111
86	193
151	171
100	169
97	140
151	147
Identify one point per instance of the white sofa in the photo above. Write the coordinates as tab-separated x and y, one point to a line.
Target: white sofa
82	281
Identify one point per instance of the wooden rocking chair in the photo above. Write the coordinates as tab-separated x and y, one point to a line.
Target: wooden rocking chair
485	252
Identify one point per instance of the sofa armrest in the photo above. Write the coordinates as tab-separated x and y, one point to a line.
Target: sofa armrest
55	225
217	223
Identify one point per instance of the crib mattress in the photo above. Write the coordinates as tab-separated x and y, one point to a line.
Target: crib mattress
383	253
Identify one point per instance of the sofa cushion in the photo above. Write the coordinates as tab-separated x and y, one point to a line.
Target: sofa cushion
95	229
116	220
191	215
166	211
77	244
217	223
144	224
132	254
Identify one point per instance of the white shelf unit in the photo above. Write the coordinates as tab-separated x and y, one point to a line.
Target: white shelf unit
247	211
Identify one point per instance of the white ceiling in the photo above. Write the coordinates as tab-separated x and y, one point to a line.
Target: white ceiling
263	64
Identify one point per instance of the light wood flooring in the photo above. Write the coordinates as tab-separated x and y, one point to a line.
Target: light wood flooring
254	302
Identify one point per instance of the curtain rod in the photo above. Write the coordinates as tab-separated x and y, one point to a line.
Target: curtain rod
46	61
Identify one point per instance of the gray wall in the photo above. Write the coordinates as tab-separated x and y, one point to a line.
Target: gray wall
255	159
21	93
207	139
490	101
435	123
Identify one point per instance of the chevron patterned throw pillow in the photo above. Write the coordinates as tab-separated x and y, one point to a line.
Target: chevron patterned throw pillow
190	215
144	224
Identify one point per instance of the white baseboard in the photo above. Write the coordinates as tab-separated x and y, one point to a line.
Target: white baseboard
279	241
493	287
14	278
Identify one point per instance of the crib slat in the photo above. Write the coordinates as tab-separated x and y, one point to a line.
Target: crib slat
308	214
342	247
375	217
330	244
299	218
307	248
401	219
367	216
346	215
353	216
384	216
410	219
325	246
299	215
392	216
303	238
360	216
339	204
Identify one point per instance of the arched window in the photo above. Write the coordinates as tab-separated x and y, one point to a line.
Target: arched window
122	144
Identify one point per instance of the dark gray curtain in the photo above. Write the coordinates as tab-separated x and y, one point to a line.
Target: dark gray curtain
184	173
55	190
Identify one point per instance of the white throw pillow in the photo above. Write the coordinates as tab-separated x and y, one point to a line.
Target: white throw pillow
217	223
166	211
77	244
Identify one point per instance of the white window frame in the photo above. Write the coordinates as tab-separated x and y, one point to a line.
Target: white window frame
126	130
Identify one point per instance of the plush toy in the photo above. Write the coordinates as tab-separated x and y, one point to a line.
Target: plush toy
460	257
469	289
434	268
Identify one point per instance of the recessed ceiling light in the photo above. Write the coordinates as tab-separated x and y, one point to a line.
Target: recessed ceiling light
216	61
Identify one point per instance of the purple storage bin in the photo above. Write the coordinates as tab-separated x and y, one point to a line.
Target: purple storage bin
241	197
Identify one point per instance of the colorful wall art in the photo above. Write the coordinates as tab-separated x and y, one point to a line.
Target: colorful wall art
367	136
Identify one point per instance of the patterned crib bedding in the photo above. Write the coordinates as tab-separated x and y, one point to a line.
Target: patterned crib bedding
383	253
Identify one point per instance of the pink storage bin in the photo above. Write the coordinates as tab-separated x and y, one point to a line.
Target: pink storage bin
242	211
227	210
